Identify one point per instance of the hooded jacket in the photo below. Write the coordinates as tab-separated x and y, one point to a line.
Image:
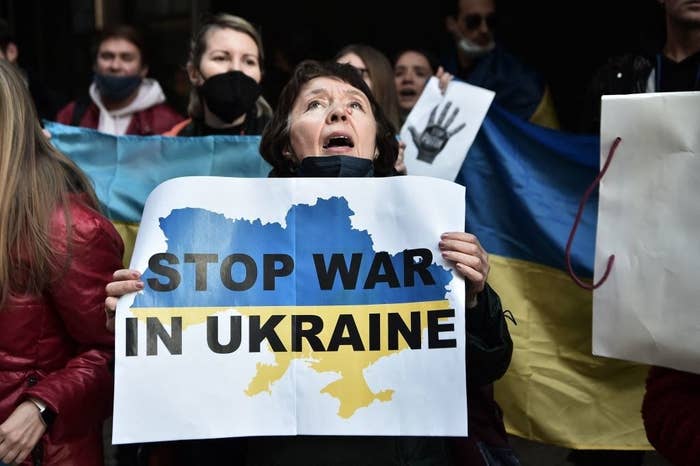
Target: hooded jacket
147	114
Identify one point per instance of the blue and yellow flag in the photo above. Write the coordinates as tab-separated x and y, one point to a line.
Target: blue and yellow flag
524	183
125	169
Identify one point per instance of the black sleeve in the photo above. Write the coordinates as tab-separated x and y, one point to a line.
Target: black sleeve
489	346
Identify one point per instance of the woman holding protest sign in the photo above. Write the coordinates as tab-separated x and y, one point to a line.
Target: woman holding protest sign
57	252
328	124
225	70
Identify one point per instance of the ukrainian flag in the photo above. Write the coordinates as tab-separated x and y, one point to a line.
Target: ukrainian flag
524	183
125	169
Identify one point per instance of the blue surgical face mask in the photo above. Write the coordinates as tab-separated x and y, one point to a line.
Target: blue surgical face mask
116	88
336	166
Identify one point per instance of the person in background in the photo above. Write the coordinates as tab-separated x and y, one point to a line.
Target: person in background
46	101
675	67
57	252
376	71
121	99
479	60
225	68
413	67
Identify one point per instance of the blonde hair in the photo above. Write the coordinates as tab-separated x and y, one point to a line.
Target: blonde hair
35	179
198	46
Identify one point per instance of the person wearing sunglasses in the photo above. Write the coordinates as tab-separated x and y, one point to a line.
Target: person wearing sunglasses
478	59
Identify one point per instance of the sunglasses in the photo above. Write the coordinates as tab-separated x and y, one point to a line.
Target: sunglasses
473	21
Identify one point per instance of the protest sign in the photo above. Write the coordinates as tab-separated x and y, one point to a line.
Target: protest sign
649	218
293	306
440	128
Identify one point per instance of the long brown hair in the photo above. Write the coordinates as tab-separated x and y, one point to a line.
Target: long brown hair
35	179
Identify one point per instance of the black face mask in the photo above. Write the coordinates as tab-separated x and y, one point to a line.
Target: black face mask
336	166
229	95
116	88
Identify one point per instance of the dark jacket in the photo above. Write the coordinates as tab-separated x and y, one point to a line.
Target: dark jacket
518	87
154	120
671	410
55	347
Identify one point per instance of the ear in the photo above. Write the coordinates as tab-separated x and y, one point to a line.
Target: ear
144	72
195	76
12	52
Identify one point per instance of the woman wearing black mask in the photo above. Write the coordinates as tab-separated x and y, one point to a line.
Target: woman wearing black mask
225	69
328	124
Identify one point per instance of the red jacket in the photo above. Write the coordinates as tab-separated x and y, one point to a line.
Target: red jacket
154	120
56	348
671	412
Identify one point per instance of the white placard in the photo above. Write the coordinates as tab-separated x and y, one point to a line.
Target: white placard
293	306
649	218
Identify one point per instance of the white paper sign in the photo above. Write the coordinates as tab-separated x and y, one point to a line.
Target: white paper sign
293	306
440	128
649	217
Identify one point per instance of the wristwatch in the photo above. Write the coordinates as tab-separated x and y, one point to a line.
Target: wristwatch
47	416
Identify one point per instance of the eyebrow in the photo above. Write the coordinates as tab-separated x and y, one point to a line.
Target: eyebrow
323	90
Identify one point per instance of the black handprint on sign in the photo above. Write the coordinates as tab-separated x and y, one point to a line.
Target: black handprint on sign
435	135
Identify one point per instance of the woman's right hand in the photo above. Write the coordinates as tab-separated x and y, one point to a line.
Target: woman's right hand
124	281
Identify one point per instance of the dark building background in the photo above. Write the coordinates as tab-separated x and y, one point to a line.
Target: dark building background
565	40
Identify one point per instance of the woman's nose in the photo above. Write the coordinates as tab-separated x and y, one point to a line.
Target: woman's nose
337	113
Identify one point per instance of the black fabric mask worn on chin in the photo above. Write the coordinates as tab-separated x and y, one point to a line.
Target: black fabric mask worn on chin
229	95
336	166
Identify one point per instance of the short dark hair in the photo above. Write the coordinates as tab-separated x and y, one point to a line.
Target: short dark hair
276	139
6	35
128	33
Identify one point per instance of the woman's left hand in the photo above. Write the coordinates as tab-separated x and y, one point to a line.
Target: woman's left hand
20	433
470	260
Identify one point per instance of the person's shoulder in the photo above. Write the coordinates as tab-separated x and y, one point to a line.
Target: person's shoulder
86	223
159	119
65	114
181	128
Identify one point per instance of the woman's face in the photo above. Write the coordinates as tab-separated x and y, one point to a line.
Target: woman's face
331	117
227	50
359	64
411	72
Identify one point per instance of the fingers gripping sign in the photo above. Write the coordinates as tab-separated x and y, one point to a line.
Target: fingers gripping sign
470	259
124	281
436	133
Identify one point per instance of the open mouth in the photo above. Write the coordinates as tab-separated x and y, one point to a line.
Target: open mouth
407	93
339	141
